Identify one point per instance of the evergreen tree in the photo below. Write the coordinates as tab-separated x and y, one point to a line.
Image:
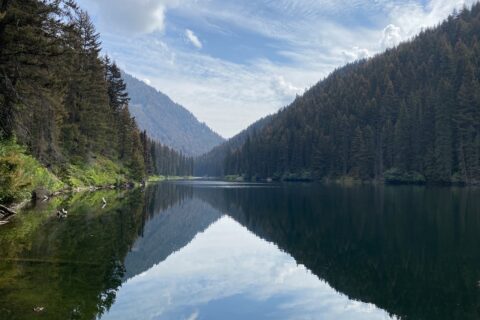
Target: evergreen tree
412	113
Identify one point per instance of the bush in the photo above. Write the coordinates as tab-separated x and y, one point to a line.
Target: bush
303	175
101	172
398	176
20	174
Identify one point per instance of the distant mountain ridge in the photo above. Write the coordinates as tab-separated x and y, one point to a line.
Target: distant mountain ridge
408	115
168	231
212	163
167	121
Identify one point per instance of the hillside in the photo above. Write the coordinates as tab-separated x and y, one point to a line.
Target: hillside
168	122
212	163
64	115
411	114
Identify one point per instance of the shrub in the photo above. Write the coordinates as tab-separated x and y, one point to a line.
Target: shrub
398	176
20	174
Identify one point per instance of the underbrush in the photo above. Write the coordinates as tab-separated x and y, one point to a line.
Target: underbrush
20	174
101	172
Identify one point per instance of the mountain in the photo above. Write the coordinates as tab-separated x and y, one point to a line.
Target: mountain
411	114
212	163
168	122
167	232
344	237
64	120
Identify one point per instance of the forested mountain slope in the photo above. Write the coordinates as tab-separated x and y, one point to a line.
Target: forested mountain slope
64	107
168	122
411	114
212	163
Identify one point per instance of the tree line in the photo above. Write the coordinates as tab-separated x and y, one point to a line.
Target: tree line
212	163
65	101
411	114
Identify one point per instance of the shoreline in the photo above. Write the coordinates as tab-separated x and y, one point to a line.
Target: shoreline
47	196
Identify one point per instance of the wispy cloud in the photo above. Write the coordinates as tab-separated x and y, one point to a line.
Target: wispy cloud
192	37
131	17
277	48
391	36
227	261
193	316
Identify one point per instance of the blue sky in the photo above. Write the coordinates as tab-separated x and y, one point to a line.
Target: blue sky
231	62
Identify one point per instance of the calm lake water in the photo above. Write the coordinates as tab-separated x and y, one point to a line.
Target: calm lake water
213	250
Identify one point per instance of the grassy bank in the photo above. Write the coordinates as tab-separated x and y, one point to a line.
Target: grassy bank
168	178
21	174
101	172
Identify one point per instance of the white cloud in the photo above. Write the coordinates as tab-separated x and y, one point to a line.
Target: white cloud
408	19
391	36
192	37
131	17
228	261
355	53
193	316
315	37
283	88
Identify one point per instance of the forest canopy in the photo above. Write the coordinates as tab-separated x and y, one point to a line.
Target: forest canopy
64	101
411	114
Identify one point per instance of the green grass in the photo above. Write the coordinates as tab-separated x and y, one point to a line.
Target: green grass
234	178
398	176
20	174
101	172
168	178
156	178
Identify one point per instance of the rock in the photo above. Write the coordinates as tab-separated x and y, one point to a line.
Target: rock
40	194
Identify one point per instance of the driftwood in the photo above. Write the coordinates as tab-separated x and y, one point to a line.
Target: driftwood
6	212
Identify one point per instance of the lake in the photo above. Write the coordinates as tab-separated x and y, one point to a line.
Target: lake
217	250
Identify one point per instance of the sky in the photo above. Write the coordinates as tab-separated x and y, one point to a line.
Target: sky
231	62
227	272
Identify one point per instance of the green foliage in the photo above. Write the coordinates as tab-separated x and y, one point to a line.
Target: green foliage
304	175
101	172
234	178
160	160
214	163
20	174
66	103
398	176
69	261
156	178
411	114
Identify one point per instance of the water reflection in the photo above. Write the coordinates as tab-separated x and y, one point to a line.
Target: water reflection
241	251
412	251
226	272
70	268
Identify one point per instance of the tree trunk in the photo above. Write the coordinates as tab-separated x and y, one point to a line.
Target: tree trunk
6	212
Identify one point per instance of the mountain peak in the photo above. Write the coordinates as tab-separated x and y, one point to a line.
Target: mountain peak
167	121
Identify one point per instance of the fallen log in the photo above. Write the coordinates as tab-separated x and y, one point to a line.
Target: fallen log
6	212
